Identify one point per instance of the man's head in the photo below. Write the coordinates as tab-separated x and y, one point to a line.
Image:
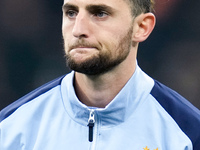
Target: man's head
99	34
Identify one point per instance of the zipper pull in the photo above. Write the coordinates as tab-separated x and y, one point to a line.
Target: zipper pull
91	122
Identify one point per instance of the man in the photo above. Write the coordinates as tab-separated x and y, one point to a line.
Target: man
107	102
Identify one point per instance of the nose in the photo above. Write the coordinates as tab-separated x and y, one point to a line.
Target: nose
81	28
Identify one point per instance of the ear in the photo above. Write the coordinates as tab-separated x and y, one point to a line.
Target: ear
143	26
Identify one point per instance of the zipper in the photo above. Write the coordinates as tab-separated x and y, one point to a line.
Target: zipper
91	122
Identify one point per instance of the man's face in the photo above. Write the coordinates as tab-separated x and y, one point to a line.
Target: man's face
97	34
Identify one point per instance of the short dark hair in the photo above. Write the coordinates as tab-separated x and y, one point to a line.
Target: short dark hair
141	6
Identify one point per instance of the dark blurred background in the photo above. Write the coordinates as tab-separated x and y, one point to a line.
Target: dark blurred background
31	51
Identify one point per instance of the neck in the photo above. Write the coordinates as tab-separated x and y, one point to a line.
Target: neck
99	91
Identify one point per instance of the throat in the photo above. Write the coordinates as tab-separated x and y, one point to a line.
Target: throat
100	90
94	98
95	93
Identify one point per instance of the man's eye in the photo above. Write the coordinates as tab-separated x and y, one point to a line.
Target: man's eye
71	13
101	14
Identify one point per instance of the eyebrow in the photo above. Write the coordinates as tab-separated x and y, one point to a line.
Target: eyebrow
69	6
93	8
90	8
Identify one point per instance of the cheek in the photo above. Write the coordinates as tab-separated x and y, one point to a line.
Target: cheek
67	39
109	48
118	44
67	29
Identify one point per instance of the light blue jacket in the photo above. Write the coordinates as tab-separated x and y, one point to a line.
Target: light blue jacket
145	115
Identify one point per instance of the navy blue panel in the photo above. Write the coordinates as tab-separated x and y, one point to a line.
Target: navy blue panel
12	107
183	112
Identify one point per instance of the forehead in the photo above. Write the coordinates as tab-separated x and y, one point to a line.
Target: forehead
115	4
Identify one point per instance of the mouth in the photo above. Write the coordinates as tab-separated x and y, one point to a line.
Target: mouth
81	53
82	48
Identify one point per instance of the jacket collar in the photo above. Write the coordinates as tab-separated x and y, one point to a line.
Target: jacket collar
118	110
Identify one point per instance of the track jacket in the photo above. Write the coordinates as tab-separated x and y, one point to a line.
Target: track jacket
145	115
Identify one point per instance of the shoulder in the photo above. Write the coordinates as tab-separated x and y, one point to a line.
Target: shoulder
181	110
7	111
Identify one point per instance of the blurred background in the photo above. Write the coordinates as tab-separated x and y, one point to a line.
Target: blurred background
31	51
